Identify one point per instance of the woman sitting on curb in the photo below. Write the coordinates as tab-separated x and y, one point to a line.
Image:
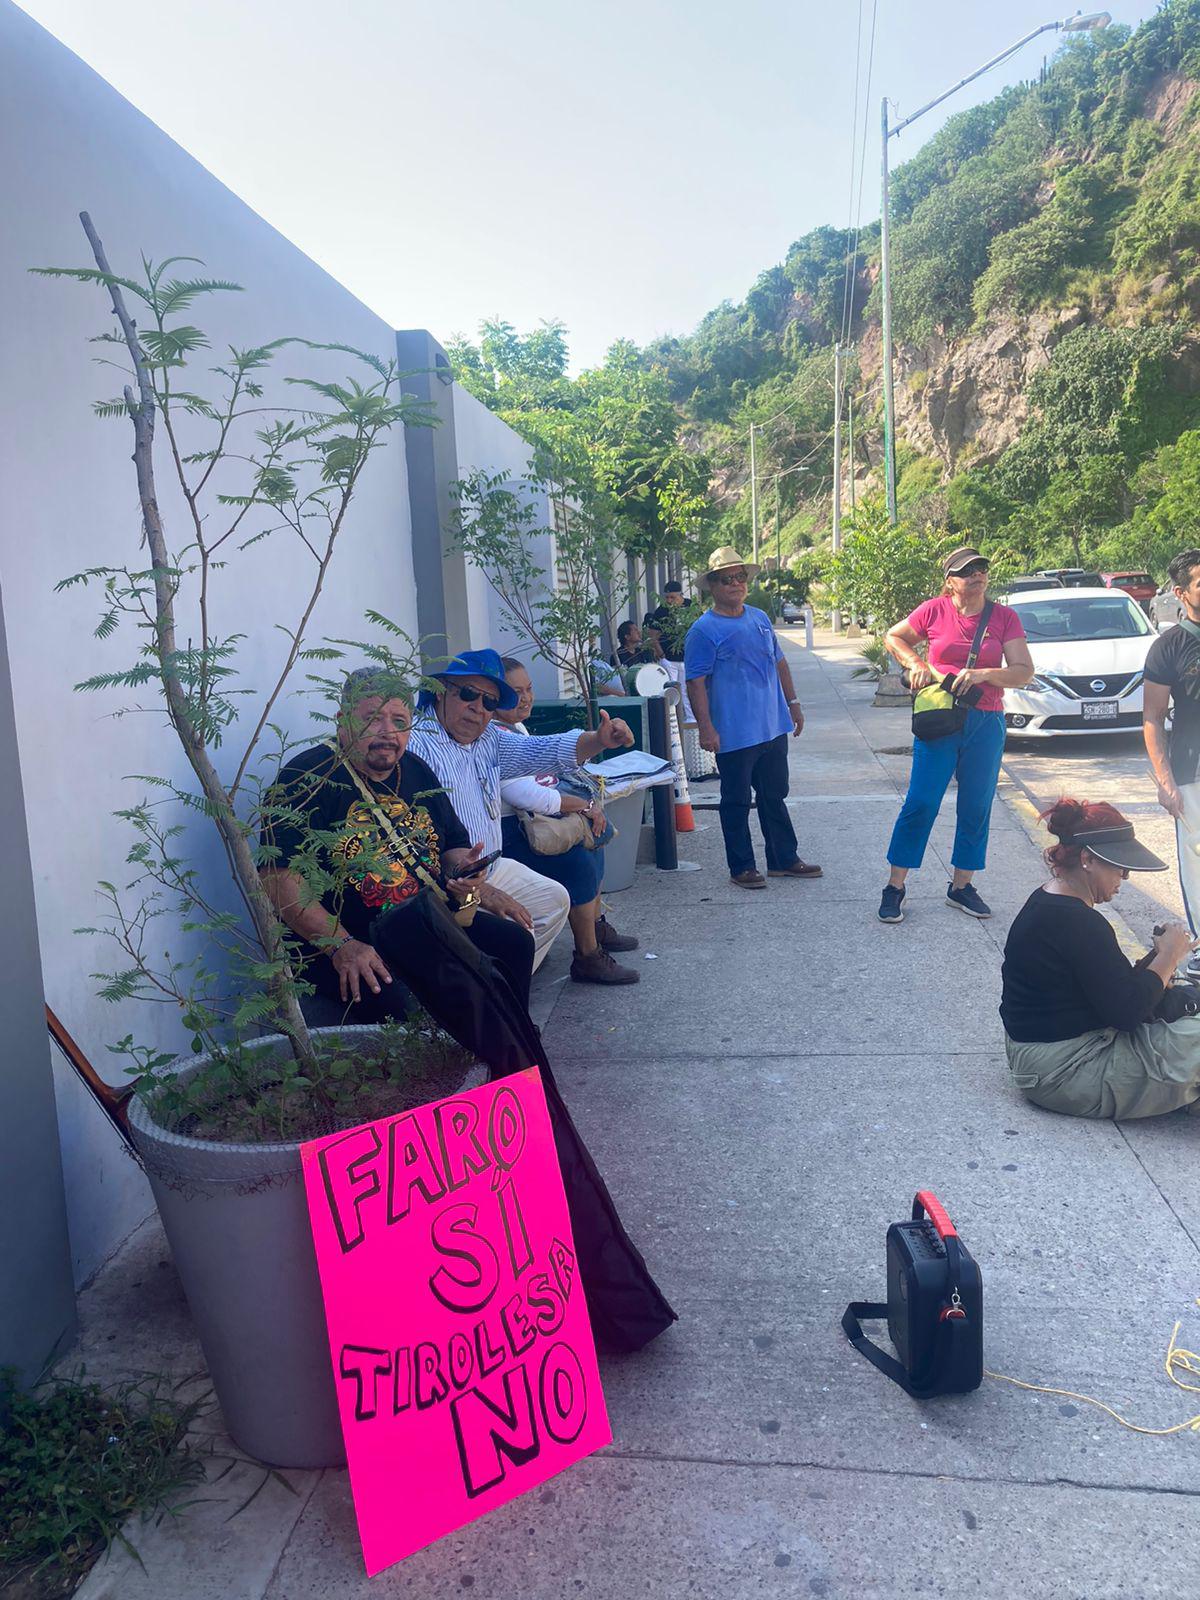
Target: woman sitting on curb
1079	1018
578	869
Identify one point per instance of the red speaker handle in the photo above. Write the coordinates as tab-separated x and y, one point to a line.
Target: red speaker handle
929	1203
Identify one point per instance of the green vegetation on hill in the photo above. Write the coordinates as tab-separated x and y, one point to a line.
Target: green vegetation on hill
1072	201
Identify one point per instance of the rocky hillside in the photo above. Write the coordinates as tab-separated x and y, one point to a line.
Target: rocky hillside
1046	273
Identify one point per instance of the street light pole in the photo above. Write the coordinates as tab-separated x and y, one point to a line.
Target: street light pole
753	495
1079	23
885	292
835	620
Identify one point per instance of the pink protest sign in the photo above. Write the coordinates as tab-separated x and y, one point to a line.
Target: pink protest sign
462	1351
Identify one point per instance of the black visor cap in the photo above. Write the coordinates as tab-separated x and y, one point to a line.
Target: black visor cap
1119	848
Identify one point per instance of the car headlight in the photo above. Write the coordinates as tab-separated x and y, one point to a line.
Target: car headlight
1046	685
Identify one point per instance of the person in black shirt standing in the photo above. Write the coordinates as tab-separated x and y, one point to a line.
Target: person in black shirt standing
1172	675
1079	1018
323	823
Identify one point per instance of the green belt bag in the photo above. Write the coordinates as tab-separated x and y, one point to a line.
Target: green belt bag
936	712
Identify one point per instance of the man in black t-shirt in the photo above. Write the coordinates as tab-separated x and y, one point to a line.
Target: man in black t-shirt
1172	675
321	824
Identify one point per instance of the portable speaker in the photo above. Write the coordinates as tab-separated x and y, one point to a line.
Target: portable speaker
934	1307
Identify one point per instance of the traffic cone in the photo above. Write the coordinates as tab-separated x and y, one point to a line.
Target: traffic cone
684	821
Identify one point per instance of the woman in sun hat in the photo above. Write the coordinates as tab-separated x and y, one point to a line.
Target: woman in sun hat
1079	1018
971	754
741	692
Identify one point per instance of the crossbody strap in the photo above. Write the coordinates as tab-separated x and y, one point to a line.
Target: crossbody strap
407	855
985	616
1189	626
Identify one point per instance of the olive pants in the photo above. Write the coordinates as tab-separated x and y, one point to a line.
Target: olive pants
1109	1073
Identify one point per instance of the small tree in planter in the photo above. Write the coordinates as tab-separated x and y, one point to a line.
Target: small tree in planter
564	612
882	572
246	471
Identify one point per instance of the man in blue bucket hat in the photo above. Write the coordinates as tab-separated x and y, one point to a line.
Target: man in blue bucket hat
454	734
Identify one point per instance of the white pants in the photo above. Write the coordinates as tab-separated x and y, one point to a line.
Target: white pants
1187	841
546	901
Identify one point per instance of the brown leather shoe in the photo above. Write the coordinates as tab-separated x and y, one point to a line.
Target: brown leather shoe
600	967
798	869
748	880
608	938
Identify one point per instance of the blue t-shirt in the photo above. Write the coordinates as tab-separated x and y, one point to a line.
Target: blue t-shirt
737	655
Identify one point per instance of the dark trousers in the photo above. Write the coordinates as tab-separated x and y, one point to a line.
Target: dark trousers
506	942
763	768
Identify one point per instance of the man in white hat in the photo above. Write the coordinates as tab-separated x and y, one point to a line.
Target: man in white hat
745	705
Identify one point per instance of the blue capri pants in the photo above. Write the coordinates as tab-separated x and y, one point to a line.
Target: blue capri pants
972	755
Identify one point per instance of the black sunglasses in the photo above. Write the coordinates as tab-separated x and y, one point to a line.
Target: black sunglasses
729	577
971	570
491	702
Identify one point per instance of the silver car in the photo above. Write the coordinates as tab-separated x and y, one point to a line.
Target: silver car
1165	609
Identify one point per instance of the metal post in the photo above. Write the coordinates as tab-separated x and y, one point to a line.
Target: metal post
835	618
666	852
753	494
885	284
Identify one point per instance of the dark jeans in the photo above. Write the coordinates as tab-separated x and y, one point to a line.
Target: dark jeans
506	942
763	768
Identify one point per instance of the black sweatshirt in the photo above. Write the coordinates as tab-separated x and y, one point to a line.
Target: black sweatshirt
1064	974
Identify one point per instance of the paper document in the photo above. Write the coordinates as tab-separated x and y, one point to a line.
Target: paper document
629	764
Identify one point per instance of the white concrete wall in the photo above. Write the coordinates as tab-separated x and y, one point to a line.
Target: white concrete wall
70	143
484	441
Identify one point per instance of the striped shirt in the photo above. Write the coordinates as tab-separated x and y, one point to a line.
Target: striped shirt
471	774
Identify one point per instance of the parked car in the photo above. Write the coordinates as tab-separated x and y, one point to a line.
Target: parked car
792	611
1073	577
1089	650
1138	584
1165	609
1020	585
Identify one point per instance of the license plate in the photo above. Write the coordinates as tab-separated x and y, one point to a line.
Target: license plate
1099	710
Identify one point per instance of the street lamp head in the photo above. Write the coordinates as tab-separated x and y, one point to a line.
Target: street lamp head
1081	22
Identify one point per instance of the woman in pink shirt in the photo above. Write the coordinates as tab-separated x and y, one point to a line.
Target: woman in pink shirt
972	754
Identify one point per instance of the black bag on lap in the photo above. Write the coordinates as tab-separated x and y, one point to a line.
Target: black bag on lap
470	996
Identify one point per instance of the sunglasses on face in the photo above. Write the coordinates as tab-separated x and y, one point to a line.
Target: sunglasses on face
729	577
491	702
972	570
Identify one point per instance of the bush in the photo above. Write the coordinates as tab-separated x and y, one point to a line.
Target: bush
76	1463
882	572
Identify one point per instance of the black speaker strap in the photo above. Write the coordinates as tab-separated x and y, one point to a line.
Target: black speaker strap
888	1365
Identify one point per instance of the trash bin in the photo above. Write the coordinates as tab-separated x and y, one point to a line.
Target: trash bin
620	857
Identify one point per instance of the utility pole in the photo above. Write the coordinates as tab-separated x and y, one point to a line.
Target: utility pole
850	444
778	538
885	286
835	619
753	494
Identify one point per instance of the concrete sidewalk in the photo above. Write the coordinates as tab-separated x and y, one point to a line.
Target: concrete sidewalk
786	1075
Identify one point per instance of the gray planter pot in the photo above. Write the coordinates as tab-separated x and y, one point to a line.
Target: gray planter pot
236	1219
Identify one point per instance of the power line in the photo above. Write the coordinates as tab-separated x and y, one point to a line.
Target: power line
853	157
852	262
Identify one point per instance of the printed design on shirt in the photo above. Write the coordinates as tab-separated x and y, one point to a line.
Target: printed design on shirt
361	836
1188	682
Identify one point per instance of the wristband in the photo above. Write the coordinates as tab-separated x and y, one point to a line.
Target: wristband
348	939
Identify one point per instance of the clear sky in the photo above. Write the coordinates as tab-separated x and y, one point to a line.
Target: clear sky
623	165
